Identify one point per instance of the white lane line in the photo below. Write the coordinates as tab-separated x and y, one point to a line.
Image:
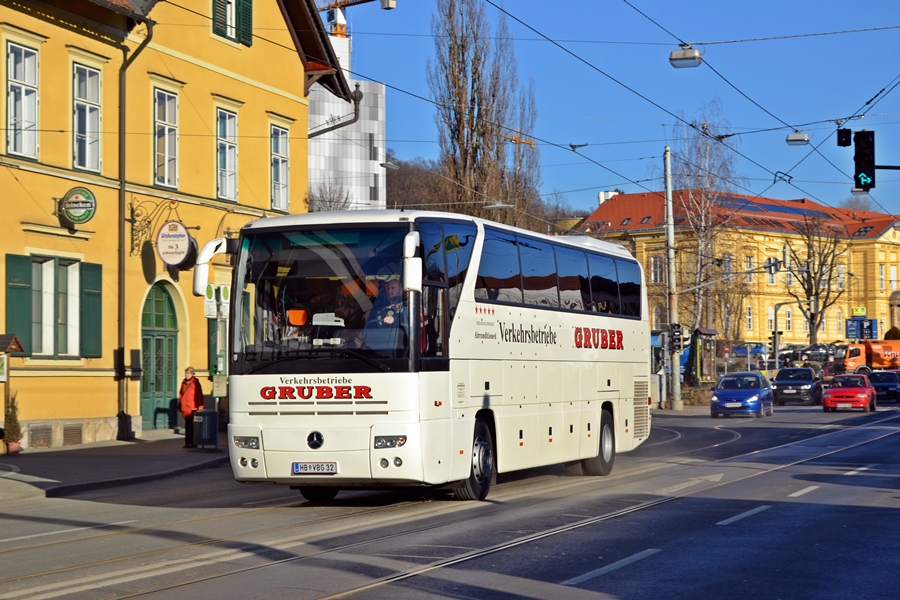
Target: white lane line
616	565
859	470
34	535
743	515
690	483
294	497
803	491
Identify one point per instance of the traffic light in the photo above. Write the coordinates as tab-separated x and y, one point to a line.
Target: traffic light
773	343
864	159
844	136
676	337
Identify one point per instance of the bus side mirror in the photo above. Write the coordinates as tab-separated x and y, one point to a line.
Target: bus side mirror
201	269
412	265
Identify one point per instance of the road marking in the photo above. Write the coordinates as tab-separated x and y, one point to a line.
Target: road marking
690	483
26	537
616	565
803	491
294	497
859	470
749	513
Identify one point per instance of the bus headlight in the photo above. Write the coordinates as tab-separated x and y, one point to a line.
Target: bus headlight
246	442
389	441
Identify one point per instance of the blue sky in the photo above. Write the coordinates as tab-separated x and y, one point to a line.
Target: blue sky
799	80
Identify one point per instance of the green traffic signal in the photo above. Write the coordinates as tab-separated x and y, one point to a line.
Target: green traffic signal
864	159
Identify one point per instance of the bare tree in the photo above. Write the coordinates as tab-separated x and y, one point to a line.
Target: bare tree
813	262
480	110
858	203
328	195
413	184
703	170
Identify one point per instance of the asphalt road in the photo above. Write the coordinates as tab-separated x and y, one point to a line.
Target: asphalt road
804	504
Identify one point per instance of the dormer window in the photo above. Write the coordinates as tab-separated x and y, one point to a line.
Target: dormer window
645	220
626	221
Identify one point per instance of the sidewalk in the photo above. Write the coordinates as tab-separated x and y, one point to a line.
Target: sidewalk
53	472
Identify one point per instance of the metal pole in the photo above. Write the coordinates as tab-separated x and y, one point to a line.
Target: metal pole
675	369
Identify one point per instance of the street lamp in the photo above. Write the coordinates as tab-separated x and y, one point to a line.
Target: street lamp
798	138
686	57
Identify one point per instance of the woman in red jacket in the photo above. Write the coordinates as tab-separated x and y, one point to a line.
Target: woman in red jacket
190	398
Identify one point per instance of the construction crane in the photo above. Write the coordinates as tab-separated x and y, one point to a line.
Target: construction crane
339	26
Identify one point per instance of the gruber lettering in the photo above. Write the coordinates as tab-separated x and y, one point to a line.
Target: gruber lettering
319	392
603	339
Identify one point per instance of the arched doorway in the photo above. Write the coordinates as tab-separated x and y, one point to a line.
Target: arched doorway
159	341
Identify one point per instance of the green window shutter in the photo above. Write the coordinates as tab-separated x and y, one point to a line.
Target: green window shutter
245	22
91	310
212	345
219	19
18	300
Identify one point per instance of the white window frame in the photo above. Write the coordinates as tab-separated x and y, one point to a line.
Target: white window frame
748	263
840	320
22	122
749	318
727	318
86	151
789	278
48	304
881	276
823	326
770	319
771	277
894	277
231	19
657	269
728	265
841	275
166	133
280	167
788	320
226	154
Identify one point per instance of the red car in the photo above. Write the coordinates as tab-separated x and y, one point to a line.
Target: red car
849	391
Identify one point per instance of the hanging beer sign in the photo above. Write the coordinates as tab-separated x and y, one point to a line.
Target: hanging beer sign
173	243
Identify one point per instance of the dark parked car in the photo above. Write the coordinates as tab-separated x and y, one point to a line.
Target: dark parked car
797	384
742	394
886	384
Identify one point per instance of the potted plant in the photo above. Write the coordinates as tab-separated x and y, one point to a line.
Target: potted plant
12	431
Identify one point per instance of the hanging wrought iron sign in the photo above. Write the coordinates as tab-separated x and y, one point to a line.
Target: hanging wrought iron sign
173	243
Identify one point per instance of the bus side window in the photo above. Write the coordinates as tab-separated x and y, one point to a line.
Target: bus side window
459	239
434	330
538	273
629	287
604	284
574	283
499	274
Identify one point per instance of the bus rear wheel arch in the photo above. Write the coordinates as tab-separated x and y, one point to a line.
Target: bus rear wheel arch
602	464
482	472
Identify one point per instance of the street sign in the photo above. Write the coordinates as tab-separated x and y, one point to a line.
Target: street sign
209	302
869	329
859	311
852	329
225	301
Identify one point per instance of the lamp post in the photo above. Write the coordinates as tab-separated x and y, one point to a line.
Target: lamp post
675	363
850	273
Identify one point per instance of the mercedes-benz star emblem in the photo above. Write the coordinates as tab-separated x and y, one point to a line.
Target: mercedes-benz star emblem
315	440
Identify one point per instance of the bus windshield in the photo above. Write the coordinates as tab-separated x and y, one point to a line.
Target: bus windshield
320	300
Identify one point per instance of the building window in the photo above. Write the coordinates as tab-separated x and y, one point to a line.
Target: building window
657	269
840	320
87	118
841	271
749	318
823	326
280	168
659	319
22	100
771	276
61	300
373	191
789	320
789	278
770	319
233	19
373	150
728	265
645	220
894	277
805	322
749	268
727	319
166	116
881	276
226	154
626	221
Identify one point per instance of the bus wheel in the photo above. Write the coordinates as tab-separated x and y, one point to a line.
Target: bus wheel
318	494
602	464
482	473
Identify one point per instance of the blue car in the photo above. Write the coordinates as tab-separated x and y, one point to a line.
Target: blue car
742	394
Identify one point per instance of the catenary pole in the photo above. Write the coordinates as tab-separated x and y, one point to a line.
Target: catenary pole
675	362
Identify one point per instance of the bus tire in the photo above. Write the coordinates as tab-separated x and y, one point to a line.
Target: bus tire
482	473
602	464
318	494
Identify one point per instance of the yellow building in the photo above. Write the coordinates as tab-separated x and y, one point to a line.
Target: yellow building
132	127
863	280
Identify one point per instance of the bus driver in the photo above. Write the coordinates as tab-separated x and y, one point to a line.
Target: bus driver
389	313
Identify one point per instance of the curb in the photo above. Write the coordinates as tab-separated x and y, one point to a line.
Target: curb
73	488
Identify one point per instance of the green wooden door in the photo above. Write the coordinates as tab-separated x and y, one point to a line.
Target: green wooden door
159	341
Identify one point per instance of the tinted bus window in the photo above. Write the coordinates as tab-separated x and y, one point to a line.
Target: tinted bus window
574	285
538	273
629	288
432	247
499	276
604	284
458	241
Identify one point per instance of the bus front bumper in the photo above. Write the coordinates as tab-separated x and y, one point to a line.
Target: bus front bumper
341	457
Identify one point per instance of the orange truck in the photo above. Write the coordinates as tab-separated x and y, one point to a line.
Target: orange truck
867	356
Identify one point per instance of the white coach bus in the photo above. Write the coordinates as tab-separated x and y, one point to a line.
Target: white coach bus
374	349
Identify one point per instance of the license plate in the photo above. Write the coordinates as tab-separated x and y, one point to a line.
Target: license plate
315	468
732	405
845	406
789	391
